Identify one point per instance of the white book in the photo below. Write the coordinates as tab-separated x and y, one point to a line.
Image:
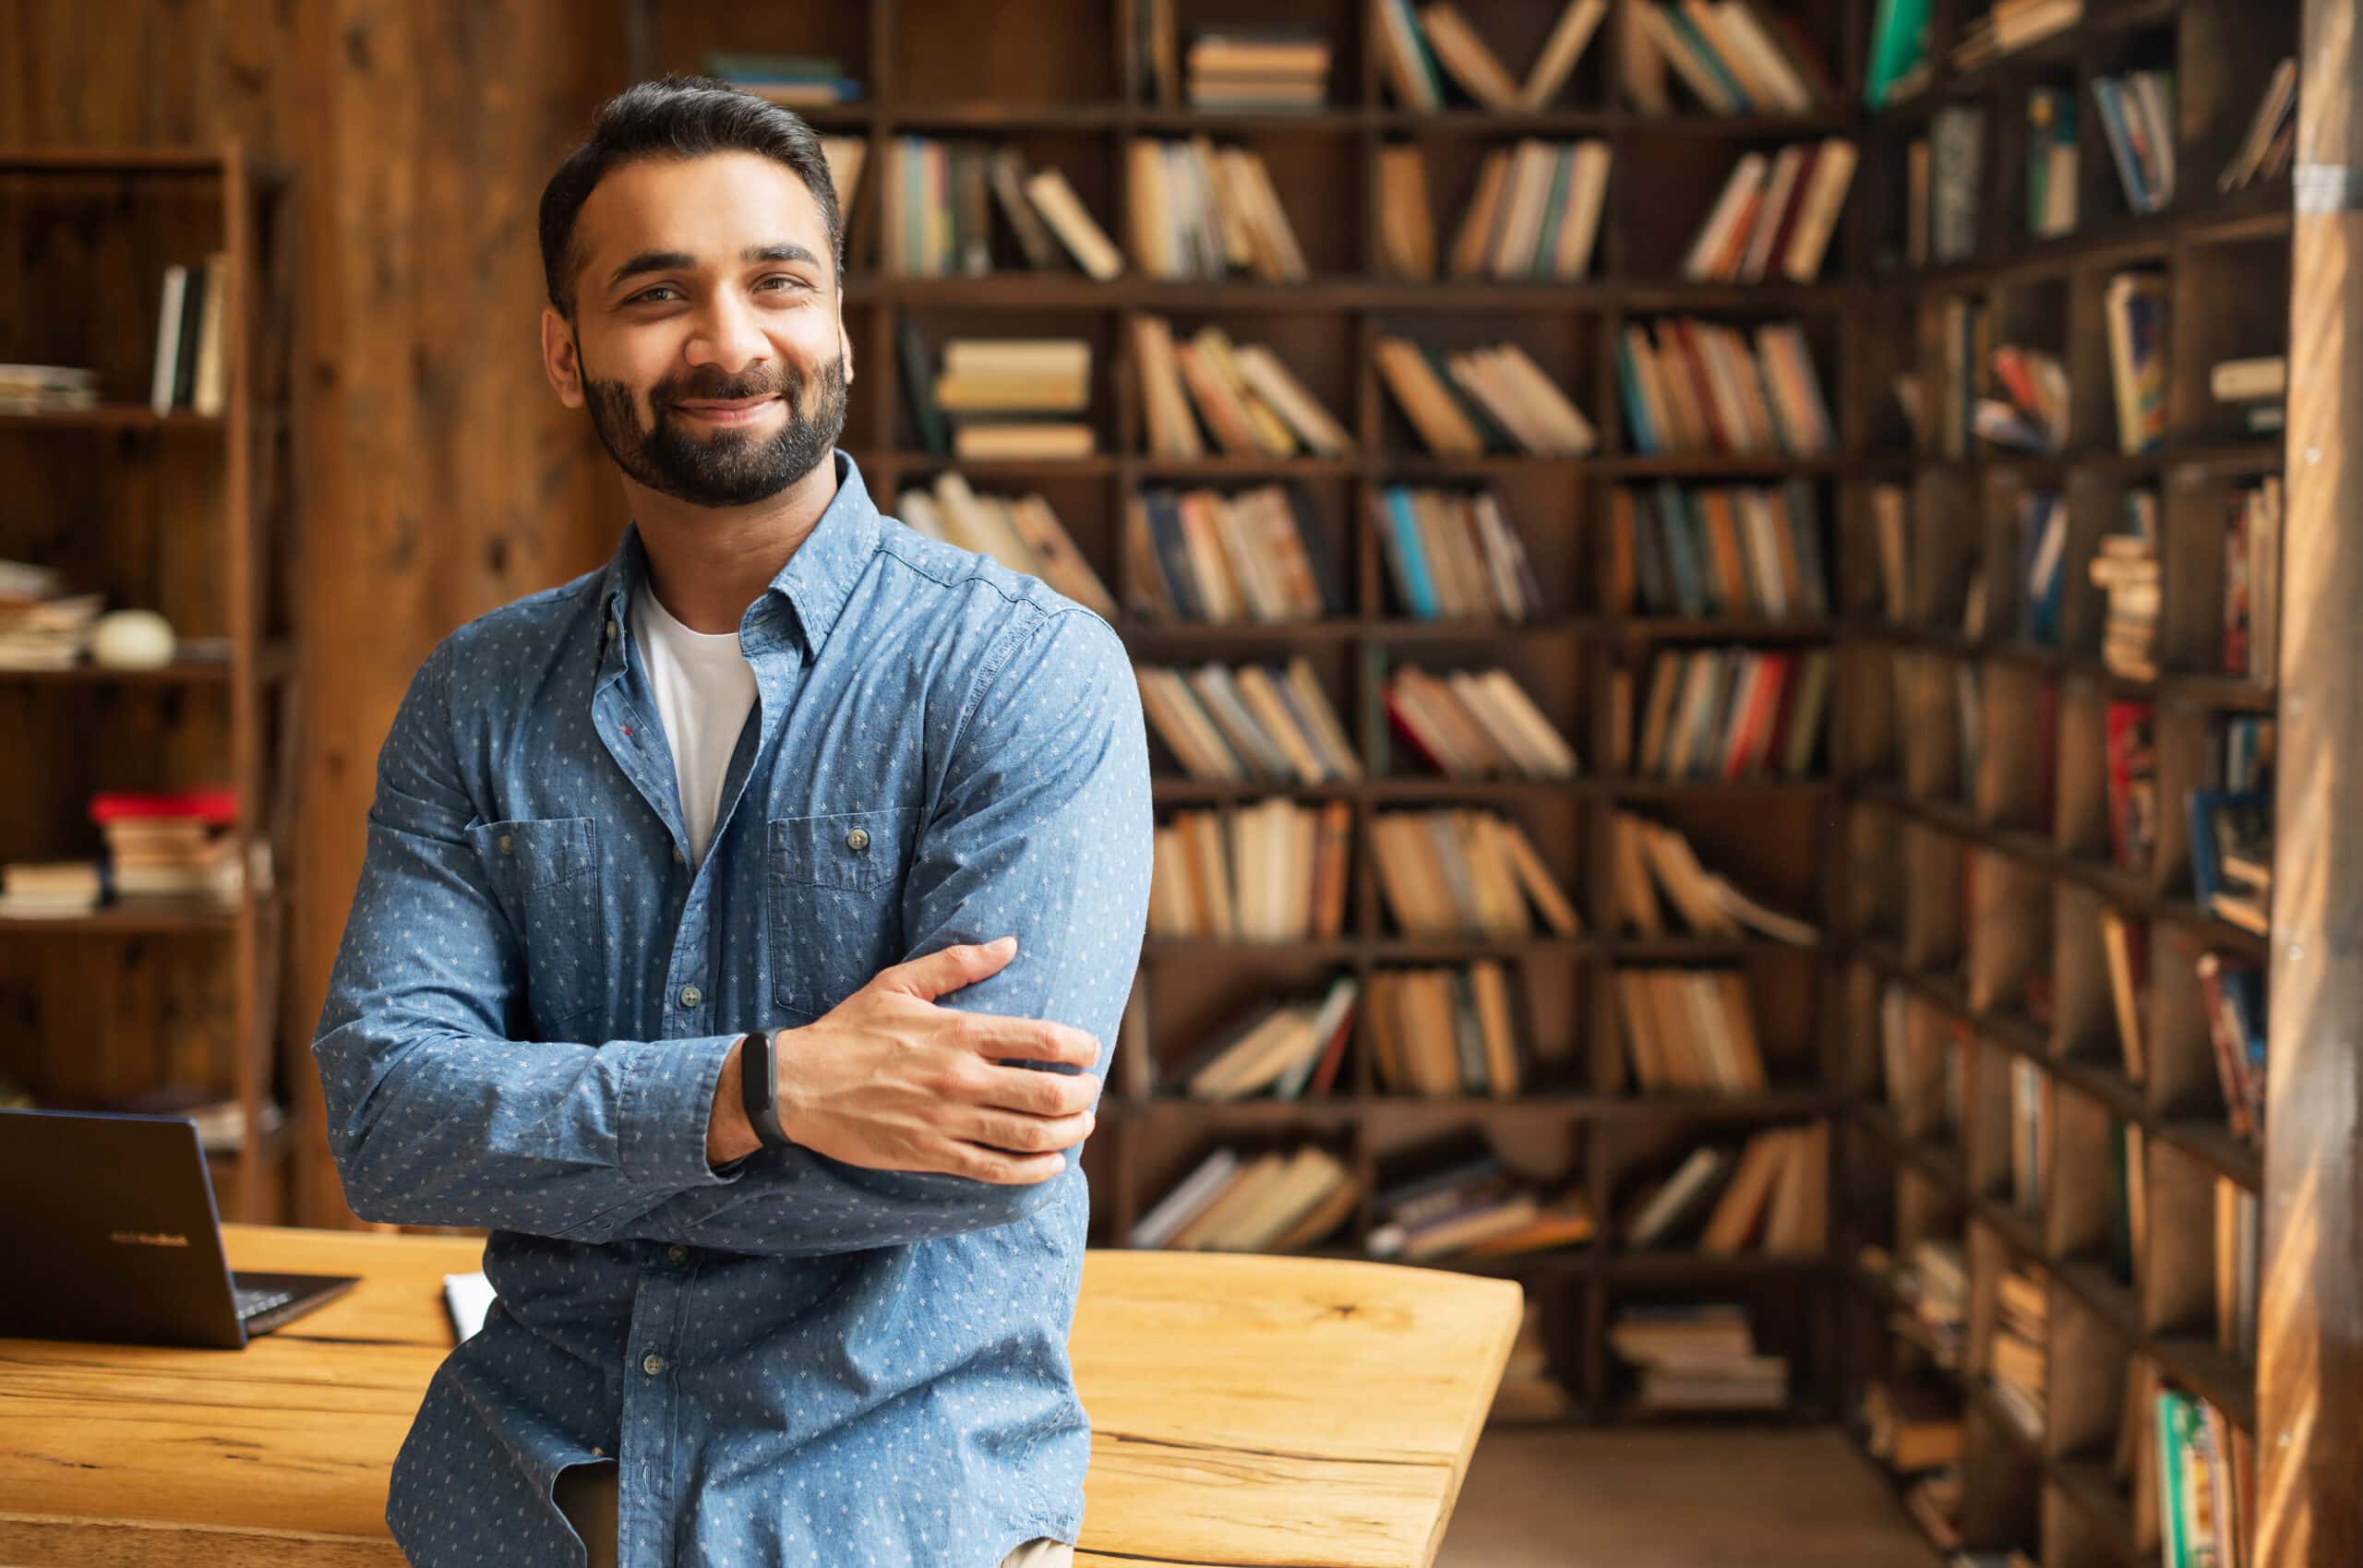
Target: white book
1178	1207
168	340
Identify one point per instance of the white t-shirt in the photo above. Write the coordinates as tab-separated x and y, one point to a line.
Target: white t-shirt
705	690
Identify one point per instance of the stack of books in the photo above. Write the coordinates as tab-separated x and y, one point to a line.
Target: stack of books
2232	991
1453	555
2015	1358
47	388
2052	162
2258	388
1288	1050
1700	387
1911	1427
2032	415
1272	871
1734	56
1445	1031
2043	552
1476	725
1697	1358
2126	571
51	890
940	197
2264	153
1256	555
1775	215
42	628
2252	581
1002	398
2231	853
1645	856
1427	50
1702	551
190	370
1458	872
1273	1202
799	82
1769	1195
172	846
1259	722
1256	68
2206	1485
1690	1030
2138	113
1248	402
2136	308
2012	26
1528	1392
1933	1285
1196	211
1023	535
2130	756
1535	212
1467	404
2237	1237
1727	712
1453	1196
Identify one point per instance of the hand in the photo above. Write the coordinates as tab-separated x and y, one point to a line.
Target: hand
889	1081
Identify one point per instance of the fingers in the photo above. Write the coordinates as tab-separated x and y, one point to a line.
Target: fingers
963	963
1003	1169
1023	1090
1029	1039
1026	1134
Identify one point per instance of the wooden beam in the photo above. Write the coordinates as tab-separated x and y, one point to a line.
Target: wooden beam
2310	1446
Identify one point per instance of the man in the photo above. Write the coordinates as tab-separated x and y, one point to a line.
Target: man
775	776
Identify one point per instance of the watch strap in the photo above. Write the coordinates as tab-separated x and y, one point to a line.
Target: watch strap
758	1088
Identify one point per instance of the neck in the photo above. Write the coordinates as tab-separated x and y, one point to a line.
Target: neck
707	564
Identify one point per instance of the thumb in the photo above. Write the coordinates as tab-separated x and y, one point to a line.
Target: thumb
963	963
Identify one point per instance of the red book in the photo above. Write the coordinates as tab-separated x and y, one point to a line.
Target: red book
1332	1055
1402	726
219	806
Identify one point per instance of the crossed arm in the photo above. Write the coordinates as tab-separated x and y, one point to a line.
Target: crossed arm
1042	829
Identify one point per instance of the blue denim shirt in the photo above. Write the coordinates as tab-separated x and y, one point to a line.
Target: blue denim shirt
796	1361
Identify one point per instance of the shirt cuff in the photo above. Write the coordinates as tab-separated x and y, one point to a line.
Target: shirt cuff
667	1106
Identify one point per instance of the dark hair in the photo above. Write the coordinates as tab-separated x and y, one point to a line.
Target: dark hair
678	117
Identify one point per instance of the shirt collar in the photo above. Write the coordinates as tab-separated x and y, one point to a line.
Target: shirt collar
815	583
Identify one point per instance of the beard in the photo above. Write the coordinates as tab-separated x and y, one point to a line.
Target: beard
729	468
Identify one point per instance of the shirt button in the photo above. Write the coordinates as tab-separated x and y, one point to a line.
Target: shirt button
597	1452
507	844
678	1254
613	631
679	858
651	1363
857	839
691	996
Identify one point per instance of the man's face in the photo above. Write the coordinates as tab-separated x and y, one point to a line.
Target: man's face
708	341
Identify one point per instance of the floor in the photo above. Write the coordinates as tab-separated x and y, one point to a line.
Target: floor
1697	1497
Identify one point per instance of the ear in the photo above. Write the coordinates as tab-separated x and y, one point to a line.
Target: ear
559	362
845	347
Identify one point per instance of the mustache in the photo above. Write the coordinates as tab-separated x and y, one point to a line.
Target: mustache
719	388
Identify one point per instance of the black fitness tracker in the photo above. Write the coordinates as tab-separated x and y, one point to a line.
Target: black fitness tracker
758	1089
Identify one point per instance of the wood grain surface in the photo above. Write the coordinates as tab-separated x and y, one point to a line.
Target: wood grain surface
1245	1411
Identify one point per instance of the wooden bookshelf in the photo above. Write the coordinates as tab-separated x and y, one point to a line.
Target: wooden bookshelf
183	513
1054	79
1969	960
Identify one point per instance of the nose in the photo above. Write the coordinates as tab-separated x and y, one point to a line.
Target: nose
728	336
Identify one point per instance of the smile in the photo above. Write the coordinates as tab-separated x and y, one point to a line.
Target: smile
743	411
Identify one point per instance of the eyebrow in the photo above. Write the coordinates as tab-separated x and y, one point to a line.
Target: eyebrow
681	260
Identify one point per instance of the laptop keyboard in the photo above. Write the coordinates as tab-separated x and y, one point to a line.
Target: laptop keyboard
253	1304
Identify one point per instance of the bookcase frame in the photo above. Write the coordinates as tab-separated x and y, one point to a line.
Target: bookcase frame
1075	98
1981	892
223	550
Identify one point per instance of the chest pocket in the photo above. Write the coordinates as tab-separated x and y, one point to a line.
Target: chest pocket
546	874
833	886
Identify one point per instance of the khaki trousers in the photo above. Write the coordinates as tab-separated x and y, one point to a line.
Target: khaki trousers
586	1495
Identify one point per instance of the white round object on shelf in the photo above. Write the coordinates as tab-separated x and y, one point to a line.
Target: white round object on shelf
132	639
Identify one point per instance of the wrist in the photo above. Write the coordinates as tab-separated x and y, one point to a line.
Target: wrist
729	1135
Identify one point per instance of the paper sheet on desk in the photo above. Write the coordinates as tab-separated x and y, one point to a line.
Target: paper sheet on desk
467	1297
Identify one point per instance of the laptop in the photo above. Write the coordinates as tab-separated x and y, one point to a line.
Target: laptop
110	1233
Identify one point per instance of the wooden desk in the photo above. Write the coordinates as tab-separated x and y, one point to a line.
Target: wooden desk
1245	1410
